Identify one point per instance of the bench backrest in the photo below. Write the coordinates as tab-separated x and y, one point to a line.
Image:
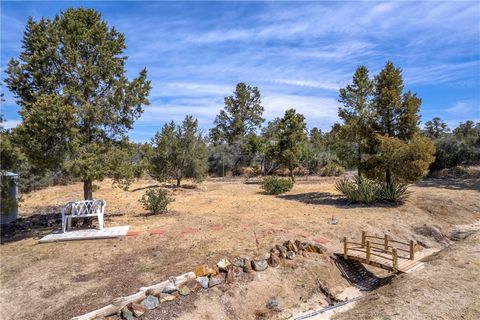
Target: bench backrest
84	207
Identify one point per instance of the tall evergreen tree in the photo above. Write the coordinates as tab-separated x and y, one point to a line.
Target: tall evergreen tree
396	112
357	116
179	152
292	136
435	128
396	122
75	98
241	115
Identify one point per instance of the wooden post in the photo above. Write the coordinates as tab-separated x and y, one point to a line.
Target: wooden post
345	247
386	242
368	251
412	250
364	238
394	260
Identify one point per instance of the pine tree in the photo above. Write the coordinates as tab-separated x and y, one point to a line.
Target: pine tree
72	69
292	136
241	115
356	113
396	114
179	152
435	128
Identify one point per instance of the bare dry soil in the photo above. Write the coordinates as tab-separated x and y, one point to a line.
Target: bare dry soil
227	218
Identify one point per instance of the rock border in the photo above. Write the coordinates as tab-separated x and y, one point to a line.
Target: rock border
203	277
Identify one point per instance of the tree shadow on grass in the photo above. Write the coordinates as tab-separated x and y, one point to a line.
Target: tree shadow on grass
451	184
326	198
46	220
184	186
153	186
35	225
317	198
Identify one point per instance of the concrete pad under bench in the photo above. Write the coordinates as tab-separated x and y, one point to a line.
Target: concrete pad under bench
86	234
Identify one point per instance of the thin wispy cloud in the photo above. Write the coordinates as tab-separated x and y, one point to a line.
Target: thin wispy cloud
298	53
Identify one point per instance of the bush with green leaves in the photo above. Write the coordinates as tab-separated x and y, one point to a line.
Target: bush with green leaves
332	169
276	185
156	201
363	190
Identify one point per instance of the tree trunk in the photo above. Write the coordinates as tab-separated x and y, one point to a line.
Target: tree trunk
388	176
87	195
87	190
359	161
178	182
291	175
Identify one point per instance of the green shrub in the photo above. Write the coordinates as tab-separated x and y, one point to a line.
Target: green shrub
358	189
156	200
275	185
395	192
368	191
332	169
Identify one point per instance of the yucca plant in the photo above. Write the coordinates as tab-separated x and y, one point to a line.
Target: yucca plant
368	191
359	189
395	192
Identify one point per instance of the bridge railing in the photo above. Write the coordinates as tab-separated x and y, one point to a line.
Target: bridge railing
387	248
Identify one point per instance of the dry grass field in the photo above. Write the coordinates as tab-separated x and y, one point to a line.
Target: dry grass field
226	218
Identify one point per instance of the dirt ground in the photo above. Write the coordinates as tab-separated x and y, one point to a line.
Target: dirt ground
226	218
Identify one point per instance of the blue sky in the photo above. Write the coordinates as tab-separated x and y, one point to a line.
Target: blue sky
298	53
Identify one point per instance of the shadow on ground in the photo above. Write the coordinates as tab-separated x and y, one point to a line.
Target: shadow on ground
37	225
451	184
34	225
357	275
319	198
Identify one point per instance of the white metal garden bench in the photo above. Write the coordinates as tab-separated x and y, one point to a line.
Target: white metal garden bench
82	209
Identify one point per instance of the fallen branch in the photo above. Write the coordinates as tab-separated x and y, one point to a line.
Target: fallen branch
119	303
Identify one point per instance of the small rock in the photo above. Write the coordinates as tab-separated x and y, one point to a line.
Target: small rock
184	290
169	289
274	305
224	264
164	297
273	261
290	255
238	262
247	268
203	282
200	271
151	302
283	251
308	247
233	274
304	253
137	309
193	285
237	272
216	280
291	246
259	264
229	278
319	248
299	245
333	221
275	251
127	314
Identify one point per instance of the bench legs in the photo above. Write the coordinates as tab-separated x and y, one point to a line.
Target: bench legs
67	223
100	222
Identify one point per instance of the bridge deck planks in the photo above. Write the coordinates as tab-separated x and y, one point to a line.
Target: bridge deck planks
404	265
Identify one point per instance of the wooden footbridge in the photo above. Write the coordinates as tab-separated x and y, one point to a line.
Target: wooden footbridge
382	252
